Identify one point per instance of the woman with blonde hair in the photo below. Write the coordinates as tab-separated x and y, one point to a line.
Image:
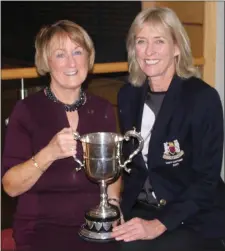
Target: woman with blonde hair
38	160
173	199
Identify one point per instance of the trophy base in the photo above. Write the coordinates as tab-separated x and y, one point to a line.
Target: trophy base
97	228
90	236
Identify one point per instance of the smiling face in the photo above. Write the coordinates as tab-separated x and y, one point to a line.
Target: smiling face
68	63
155	51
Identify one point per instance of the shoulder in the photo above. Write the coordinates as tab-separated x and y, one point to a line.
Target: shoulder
34	98
25	107
29	101
127	88
198	86
203	97
129	93
199	90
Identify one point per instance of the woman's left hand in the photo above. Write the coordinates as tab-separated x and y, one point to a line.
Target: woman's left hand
138	229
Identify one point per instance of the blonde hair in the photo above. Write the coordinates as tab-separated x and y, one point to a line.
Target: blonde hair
60	30
165	17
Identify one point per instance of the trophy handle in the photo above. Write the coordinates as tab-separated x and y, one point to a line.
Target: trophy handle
128	134
77	136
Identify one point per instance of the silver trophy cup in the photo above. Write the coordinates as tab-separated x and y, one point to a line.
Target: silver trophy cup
102	153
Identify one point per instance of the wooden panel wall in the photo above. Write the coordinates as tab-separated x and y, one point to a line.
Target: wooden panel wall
191	15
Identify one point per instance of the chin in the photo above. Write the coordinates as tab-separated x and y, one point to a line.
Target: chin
73	86
151	71
153	74
75	83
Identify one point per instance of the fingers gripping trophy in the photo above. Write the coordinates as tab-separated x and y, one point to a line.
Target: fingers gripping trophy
102	153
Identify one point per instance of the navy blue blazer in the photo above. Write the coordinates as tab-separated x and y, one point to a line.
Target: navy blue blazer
184	156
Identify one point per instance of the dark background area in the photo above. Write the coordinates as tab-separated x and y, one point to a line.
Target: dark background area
106	22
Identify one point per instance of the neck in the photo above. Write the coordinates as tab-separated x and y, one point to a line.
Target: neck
160	84
66	96
68	107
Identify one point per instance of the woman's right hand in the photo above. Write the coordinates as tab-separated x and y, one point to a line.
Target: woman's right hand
62	145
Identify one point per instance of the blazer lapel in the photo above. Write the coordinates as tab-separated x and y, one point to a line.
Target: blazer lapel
159	129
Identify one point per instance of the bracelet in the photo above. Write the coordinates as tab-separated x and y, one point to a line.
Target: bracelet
36	165
114	199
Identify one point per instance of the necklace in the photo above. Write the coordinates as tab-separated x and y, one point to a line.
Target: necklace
68	108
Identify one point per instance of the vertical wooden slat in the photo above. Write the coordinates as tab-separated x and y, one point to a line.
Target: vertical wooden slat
209	47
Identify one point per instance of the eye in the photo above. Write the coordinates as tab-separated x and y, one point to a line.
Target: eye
60	55
77	52
140	41
159	41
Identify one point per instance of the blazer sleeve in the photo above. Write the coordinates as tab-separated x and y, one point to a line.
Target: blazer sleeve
207	144
17	145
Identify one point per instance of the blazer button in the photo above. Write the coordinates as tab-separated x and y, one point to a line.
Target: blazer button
162	202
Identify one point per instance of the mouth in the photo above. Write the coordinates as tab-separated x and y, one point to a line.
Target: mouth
71	73
151	61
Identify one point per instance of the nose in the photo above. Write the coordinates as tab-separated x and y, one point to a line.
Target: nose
149	49
71	60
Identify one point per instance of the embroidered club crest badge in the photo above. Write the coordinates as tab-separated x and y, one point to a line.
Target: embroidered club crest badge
172	150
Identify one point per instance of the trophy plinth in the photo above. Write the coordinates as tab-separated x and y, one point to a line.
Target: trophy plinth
99	223
102	163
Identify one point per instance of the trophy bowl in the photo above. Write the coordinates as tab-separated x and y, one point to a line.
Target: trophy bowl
102	153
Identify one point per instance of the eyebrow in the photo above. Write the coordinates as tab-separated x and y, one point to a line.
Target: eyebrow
157	37
138	38
63	49
78	47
